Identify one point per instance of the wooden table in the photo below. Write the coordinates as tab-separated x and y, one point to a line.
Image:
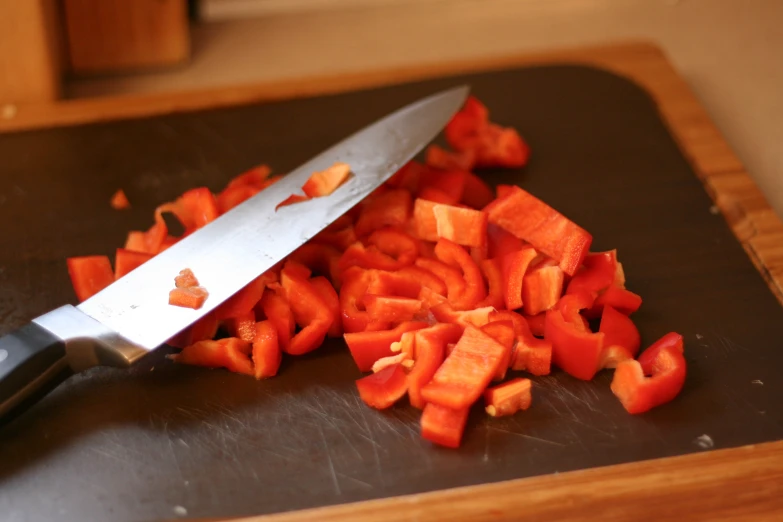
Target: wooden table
741	483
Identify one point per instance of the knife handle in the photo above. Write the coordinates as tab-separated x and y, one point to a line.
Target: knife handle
32	363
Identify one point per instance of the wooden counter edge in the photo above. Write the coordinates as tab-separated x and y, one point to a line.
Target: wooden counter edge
744	483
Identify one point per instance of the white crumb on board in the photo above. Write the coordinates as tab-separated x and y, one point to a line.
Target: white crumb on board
704	441
714	210
180	511
699	336
757	381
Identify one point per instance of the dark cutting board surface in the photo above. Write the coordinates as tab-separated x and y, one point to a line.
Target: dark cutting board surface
162	440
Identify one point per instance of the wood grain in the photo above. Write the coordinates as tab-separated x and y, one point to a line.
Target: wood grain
738	484
125	34
734	484
30	47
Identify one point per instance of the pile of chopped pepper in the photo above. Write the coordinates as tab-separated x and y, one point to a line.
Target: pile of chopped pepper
443	288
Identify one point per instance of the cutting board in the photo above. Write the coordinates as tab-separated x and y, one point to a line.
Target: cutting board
163	441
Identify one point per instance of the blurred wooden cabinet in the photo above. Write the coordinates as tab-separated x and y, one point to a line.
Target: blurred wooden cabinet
116	35
42	39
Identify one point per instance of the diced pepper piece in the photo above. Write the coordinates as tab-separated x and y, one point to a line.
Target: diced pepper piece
325	182
407	177
435	195
136	242
390	308
477	317
501	147
429	346
425	224
450	183
229	353
339	234
463	226
194	209
443	426
575	349
493	273
381	390
503	332
254	177
542	288
514	267
231	197
440	158
329	296
355	318
277	310
508	398
529	354
202	330
185	279
125	261
656	378
310	312
596	274
320	258
368	347
292	200
89	275
501	242
465	127
242	326
245	299
191	297
477	193
619	330
392	208
119	201
529	218
473	289
267	355
620	299
537	323
467	371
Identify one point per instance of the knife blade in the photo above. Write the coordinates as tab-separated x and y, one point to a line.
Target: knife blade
131	317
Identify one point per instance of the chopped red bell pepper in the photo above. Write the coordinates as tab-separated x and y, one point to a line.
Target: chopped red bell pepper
508	398
230	353
425	224
242	326
125	261
327	181
368	347
310	312
537	323
245	299
477	193
445	313
192	297
194	209
656	378
292	200
440	158
514	267
267	355
340	234
356	282
501	242
467	371
449	183
329	296
463	226
575	349
277	310
529	218
503	332
254	177
119	201
381	390
89	275
429	346
619	330
407	177
392	208
442	425
620	299
493	273
390	308
501	147
185	279
466	126
529	354
542	288
596	274
473	289
321	258
202	330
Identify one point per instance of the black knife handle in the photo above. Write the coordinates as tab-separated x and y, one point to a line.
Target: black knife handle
32	363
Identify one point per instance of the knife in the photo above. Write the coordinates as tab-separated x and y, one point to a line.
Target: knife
131	317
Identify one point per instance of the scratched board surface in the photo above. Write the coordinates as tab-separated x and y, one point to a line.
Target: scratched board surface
162	441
